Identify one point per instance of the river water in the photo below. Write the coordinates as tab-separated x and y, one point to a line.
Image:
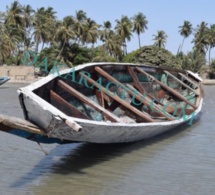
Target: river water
180	162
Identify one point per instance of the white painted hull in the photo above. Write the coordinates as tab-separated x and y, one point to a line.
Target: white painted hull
53	120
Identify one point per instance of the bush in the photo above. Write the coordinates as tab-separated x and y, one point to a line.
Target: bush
153	55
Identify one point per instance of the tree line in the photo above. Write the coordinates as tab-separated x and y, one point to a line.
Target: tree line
73	40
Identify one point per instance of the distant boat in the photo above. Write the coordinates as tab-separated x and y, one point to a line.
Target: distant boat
4	80
108	103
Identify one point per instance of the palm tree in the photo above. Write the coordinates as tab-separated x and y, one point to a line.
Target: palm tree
185	31
160	39
91	33
64	32
105	32
112	45
44	25
123	29
211	39
79	20
14	15
200	38
9	41
193	61
139	24
28	18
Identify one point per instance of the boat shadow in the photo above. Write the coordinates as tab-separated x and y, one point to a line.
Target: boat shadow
90	154
73	158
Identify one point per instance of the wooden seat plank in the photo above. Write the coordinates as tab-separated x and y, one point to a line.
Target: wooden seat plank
66	107
179	81
88	101
175	93
144	116
144	99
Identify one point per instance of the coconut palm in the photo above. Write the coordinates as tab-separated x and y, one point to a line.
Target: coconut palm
64	32
43	24
185	31
91	33
160	39
112	45
193	61
200	38
78	26
105	32
28	18
14	15
139	24
50	13
123	29
210	39
9	41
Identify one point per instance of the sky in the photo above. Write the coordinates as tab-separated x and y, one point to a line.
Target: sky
163	15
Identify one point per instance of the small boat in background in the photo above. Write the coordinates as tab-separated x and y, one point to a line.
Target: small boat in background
4	80
111	102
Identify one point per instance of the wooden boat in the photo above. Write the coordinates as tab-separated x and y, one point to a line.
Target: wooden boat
4	80
111	102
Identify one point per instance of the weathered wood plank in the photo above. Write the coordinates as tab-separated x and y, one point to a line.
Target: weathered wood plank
188	79
88	101
175	93
144	116
136	80
144	99
101	100
138	85
182	83
66	107
9	122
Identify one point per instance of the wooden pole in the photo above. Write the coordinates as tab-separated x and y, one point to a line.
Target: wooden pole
66	107
182	83
189	80
147	101
138	85
175	93
144	116
88	101
9	122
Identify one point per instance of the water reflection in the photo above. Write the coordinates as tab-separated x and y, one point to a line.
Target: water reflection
180	161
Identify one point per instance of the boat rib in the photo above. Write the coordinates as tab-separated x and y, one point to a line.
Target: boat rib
88	101
144	99
172	91
145	117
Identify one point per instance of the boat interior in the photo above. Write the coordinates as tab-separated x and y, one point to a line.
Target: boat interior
123	93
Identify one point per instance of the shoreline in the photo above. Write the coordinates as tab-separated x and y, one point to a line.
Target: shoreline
208	81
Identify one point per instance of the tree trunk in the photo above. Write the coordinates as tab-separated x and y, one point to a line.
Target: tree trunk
36	47
139	40
62	49
182	43
125	48
209	53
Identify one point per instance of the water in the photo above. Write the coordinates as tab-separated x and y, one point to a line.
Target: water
181	162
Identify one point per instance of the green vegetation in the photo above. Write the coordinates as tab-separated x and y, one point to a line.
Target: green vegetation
153	55
212	69
75	39
193	61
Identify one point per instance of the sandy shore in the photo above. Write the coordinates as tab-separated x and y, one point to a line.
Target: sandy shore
209	81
